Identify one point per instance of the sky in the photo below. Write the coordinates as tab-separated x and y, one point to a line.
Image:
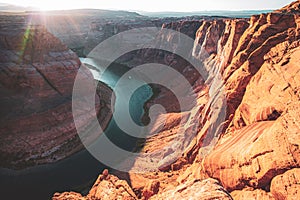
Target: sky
153	5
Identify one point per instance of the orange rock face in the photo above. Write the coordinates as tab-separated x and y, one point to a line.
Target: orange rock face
207	189
261	141
106	187
287	185
258	60
68	196
110	187
251	194
150	189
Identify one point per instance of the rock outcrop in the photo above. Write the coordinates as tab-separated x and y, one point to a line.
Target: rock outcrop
36	82
207	189
106	187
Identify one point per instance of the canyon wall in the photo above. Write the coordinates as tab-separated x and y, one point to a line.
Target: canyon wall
36	84
259	142
82	30
261	80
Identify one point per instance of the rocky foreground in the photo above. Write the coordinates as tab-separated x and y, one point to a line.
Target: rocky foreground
36	82
257	154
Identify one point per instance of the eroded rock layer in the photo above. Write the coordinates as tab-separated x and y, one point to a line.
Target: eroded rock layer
36	82
258	60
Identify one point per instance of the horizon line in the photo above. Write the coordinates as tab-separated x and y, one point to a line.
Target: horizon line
32	8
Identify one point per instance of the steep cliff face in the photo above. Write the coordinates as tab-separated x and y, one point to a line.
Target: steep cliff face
36	82
262	139
258	61
256	155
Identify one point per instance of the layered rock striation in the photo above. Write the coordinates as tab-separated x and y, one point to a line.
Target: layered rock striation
36	83
259	140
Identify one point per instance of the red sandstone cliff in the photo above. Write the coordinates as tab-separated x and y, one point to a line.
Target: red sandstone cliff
257	154
36	82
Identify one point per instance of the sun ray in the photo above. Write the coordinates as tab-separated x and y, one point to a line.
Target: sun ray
25	40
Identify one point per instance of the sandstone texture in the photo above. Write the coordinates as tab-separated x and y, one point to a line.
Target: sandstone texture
259	139
249	193
207	189
286	185
36	83
106	187
242	141
262	139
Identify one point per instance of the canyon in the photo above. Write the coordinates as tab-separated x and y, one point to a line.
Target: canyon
256	153
243	142
37	77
